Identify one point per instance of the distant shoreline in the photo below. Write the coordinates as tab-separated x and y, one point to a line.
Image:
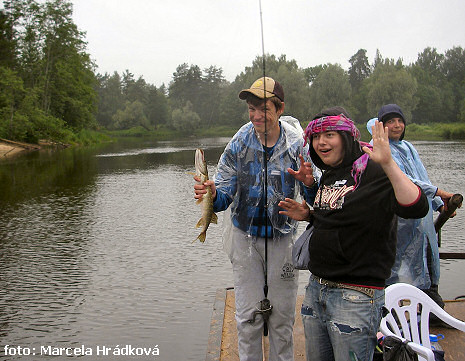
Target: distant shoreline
414	132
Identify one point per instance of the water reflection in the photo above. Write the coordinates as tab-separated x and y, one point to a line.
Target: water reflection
96	247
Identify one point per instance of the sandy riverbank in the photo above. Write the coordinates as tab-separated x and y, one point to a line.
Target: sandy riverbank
9	148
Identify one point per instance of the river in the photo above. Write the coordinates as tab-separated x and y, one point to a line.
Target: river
96	250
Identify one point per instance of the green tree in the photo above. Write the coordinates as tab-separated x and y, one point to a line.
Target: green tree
432	100
56	71
272	67
252	73
68	80
212	88
185	120
157	108
378	59
134	89
131	116
296	90
312	73
430	61
120	96
186	86
430	106
287	72
110	97
7	42
11	95
232	111
391	84
330	88
24	18
73	93
20	115
453	67
462	111
359	69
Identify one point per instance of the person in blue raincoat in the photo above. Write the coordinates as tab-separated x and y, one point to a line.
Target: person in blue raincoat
251	226
417	256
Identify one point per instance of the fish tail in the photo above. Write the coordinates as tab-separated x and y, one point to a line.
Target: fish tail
201	237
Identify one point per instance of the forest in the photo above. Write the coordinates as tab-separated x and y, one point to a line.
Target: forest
50	89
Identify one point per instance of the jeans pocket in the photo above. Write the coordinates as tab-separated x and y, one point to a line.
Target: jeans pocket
306	311
355	296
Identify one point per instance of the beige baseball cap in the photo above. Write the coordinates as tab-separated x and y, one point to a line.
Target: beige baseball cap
264	87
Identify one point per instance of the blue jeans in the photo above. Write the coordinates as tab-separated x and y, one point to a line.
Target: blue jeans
339	323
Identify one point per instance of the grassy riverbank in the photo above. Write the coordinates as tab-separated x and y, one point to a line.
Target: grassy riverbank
439	131
429	132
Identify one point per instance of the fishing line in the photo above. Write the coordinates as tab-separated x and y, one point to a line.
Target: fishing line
265	304
265	158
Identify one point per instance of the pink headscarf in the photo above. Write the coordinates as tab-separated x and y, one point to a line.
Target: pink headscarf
340	123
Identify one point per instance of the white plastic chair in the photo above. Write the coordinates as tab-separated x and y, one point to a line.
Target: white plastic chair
408	319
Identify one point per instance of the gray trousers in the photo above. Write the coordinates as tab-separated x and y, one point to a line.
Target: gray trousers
248	263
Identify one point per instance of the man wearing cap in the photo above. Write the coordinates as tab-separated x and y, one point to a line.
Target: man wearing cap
417	256
250	226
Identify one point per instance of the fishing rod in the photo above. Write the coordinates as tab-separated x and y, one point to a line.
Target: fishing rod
265	186
454	202
264	307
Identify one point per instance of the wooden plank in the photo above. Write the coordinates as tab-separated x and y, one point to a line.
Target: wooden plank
229	340
452	255
453	343
216	326
454	340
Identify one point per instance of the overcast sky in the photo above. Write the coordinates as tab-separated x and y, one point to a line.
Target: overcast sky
152	37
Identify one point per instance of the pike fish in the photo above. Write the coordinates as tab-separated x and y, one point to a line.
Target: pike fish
206	201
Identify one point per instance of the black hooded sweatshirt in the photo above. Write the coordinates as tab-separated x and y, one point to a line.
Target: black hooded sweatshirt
354	240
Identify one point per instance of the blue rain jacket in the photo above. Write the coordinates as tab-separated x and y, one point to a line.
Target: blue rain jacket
240	176
413	235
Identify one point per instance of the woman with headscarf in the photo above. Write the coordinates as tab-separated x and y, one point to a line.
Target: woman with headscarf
352	249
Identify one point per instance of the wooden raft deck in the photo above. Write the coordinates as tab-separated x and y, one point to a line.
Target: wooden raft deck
222	342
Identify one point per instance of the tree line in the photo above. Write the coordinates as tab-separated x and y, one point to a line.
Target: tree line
49	87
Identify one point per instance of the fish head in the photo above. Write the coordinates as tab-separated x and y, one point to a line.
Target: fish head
200	164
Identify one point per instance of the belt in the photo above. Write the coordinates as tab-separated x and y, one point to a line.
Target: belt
370	292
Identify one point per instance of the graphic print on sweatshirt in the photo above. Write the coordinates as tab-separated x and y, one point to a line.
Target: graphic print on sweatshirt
332	197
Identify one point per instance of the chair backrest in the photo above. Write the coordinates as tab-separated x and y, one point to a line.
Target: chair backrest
409	309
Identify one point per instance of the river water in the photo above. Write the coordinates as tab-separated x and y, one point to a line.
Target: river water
96	250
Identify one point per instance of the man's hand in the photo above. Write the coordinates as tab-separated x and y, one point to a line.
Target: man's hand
295	210
200	188
305	172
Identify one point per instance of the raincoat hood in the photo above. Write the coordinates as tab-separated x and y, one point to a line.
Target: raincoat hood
390	111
